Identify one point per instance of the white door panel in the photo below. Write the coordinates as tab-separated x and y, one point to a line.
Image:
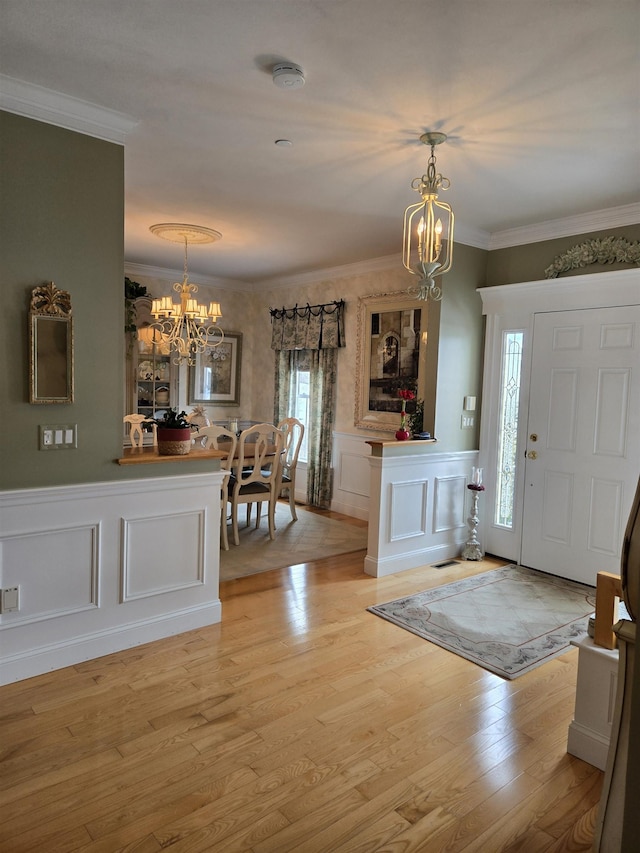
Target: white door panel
583	450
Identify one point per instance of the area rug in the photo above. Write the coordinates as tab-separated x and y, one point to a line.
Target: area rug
509	620
312	537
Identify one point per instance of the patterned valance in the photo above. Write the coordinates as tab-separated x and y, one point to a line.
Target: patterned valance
310	327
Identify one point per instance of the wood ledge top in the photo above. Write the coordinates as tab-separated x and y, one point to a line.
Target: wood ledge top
150	455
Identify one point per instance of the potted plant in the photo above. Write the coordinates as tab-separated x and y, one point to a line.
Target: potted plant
174	433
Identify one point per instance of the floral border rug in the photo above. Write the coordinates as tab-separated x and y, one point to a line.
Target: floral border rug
509	620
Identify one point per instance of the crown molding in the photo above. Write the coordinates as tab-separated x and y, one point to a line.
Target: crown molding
165	274
470	236
585	223
50	107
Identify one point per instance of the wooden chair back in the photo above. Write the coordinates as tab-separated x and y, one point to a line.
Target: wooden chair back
293	435
219	438
224	440
260	464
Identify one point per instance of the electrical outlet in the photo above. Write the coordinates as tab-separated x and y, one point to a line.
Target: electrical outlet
10	599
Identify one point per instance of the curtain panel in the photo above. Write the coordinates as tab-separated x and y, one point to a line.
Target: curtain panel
322	366
308	338
312	327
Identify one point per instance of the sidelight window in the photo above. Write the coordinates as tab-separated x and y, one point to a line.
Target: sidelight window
511	372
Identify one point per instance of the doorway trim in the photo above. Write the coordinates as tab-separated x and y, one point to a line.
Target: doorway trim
514	306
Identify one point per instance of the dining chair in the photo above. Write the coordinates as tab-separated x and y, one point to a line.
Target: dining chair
293	434
221	439
136	433
256	476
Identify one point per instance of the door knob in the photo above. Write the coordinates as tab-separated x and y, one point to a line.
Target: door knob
534	436
532	454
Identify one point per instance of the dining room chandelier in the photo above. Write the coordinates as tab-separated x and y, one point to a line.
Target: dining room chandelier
424	231
186	328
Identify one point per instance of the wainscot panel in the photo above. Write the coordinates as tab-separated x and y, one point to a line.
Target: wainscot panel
351	475
105	566
418	506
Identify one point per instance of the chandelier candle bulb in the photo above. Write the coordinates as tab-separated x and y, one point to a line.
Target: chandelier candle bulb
438	231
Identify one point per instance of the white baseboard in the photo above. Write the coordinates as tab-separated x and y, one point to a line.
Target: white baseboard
588	745
350	509
393	564
86	647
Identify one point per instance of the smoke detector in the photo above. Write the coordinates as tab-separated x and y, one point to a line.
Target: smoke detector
286	75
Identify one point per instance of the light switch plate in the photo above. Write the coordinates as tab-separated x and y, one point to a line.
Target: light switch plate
469	404
58	436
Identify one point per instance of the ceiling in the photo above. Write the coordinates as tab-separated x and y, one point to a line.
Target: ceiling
539	99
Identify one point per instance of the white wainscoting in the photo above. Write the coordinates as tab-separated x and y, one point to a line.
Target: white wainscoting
590	730
351	474
102	567
417	505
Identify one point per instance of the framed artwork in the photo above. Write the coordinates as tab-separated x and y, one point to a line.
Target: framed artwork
214	379
397	348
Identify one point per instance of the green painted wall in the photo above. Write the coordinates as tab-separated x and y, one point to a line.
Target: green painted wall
528	262
460	349
61	220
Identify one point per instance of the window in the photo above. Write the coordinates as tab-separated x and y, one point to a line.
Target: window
511	364
299	406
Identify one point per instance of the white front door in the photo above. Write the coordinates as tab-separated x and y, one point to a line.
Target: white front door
583	440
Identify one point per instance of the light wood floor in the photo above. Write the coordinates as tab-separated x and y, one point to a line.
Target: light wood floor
301	723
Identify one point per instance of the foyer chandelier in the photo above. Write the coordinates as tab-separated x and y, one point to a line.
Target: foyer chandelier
187	328
424	231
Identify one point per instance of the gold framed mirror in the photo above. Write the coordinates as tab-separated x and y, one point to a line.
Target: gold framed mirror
50	345
397	348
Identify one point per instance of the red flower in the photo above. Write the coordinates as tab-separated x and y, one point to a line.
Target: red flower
407	394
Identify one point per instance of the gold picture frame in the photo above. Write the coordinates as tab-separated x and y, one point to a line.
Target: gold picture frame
50	345
397	348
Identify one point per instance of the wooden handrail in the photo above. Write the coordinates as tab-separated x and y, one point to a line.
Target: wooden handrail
608	594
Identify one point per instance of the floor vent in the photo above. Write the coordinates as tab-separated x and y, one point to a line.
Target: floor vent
445	564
